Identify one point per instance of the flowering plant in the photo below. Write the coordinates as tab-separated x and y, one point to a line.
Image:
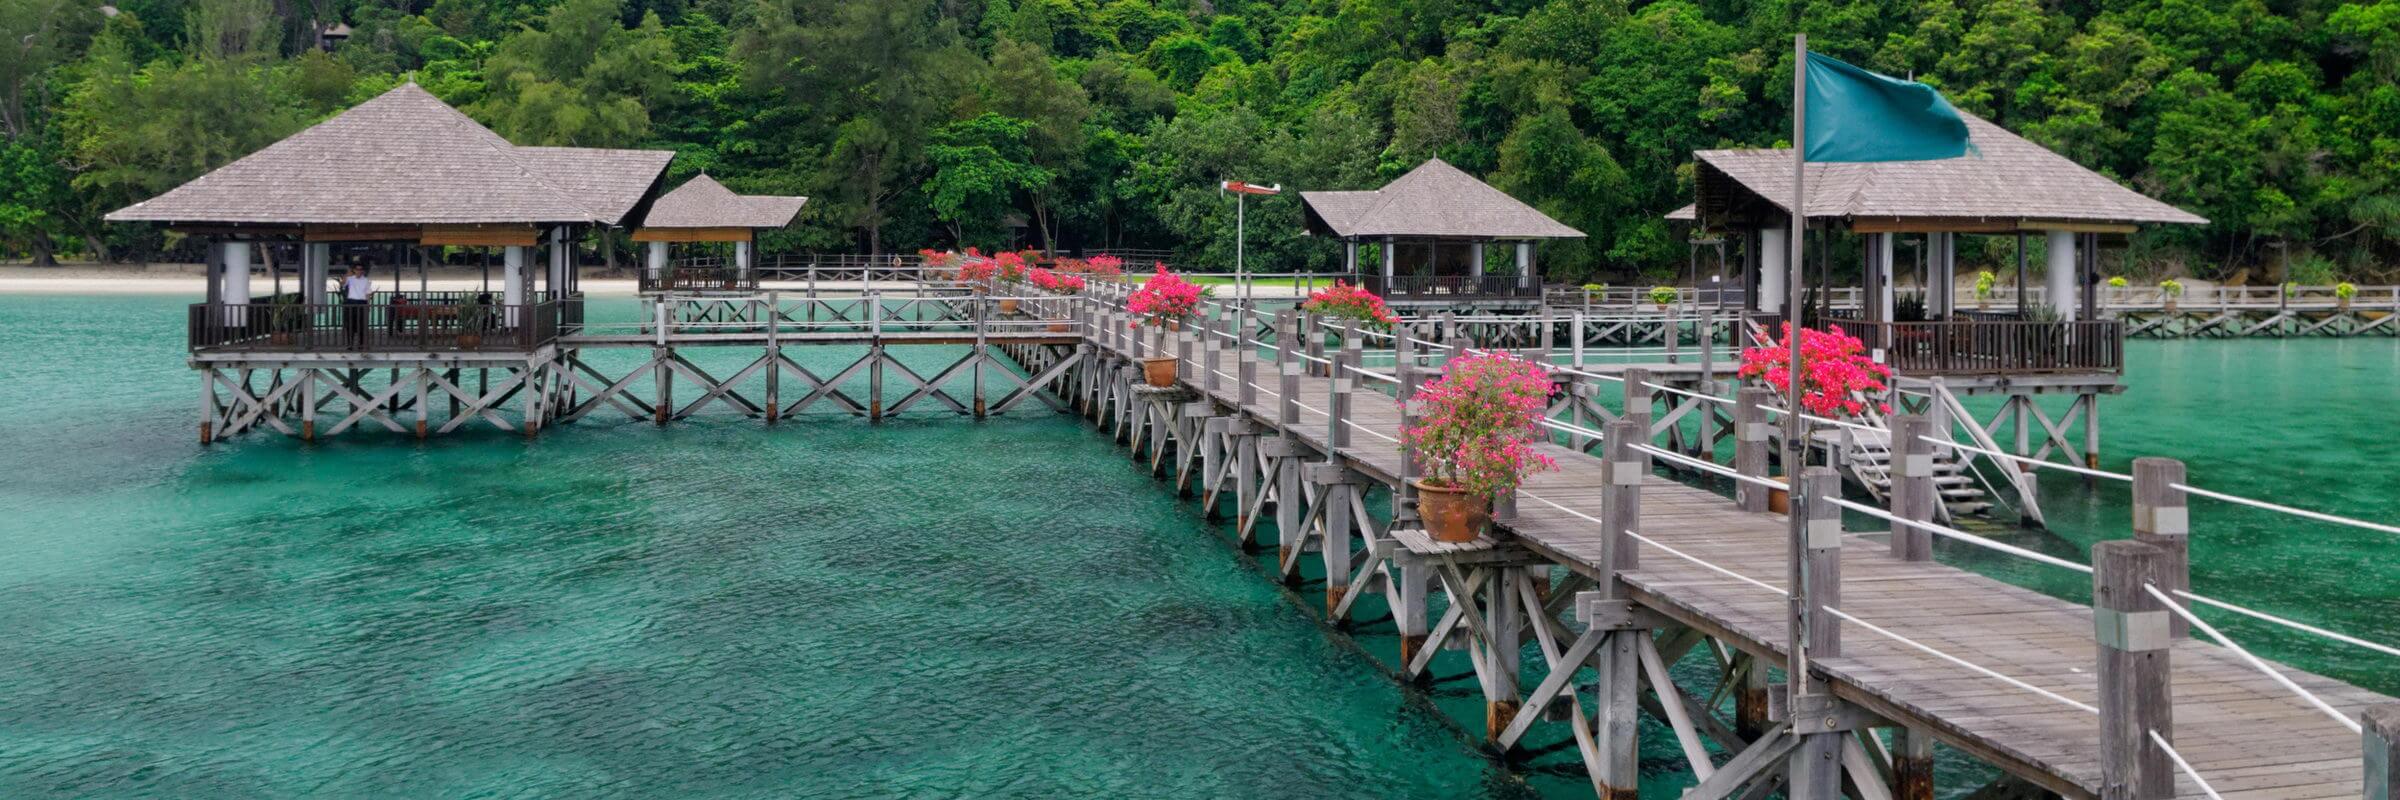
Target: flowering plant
977	270
1479	422
2116	281
1054	282
1663	295
1011	266
1984	281
1838	369
1348	301
1105	266
2344	290
1165	298
2173	287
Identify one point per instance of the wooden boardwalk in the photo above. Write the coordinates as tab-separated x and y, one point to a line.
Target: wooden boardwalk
2246	735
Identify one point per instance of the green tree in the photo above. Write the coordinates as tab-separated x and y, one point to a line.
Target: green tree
578	79
980	165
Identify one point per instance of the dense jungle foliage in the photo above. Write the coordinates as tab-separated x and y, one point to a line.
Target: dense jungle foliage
1106	123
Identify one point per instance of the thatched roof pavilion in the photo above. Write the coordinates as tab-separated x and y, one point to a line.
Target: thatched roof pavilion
405	167
2008	186
703	210
1447	211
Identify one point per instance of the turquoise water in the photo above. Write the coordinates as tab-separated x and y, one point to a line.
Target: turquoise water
931	607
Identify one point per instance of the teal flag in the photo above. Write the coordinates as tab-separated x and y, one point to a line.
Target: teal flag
1856	115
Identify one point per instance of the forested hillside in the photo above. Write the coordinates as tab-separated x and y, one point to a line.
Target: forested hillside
917	123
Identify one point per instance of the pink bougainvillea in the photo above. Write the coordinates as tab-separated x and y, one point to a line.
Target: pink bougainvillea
1053	281
1348	301
974	269
1011	266
1837	366
1165	298
1479	422
1105	266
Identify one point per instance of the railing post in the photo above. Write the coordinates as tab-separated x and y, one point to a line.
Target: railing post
2380	739
1183	350
2162	518
774	356
2134	645
1287	391
1673	335
1617	727
1212	348
1637	397
1313	342
1816	579
1913	492
1245	358
1338	390
1751	445
1575	335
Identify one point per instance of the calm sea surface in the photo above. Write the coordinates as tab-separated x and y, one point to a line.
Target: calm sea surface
932	607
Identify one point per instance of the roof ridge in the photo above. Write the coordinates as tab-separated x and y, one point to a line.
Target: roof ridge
510	151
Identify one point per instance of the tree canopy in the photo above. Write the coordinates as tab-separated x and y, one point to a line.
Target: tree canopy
1081	124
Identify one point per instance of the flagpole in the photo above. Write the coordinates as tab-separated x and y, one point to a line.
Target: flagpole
1795	448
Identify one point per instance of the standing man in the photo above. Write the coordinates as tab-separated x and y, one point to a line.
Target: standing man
355	291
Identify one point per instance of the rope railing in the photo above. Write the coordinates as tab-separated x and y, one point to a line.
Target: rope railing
2253	661
1963	536
1977	668
2295	625
2186	766
2297	512
2097	473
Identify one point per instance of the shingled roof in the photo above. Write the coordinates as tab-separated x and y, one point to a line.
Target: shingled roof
406	158
2009	179
1435	199
702	202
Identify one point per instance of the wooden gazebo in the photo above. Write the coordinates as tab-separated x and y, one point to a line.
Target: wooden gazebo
1434	226
703	210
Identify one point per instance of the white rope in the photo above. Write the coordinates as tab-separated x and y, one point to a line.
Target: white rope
1960	535
2254	661
1372	432
1828	420
2026	460
1705	565
1392	379
1569	427
2297	512
2186	766
1979	669
2302	626
1694	395
1707	466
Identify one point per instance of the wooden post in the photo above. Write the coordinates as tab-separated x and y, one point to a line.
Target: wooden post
1335	552
1542	340
2162	518
982	341
1504	621
659	358
1313	343
775	357
2135	649
1575	337
1816	576
1750	447
1337	394
1617	728
1912	764
1287	392
1707	335
308	404
1211	349
1673	335
2381	742
1913	491
1245	359
1637	398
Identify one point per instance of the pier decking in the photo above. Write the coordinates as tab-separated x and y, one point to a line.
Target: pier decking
2247	735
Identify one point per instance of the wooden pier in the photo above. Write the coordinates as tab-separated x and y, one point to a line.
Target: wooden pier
2064	698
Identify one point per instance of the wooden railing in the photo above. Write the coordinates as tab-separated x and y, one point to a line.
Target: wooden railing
375	327
1450	288
1996	347
685	278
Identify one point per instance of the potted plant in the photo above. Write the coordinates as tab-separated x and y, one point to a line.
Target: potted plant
2172	288
1054	282
1475	435
472	316
1984	282
285	316
2342	293
1009	268
1344	300
2116	282
1664	296
1840	375
1592	291
977	272
1164	301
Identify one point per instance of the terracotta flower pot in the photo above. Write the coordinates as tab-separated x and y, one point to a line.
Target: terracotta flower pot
470	341
1451	515
1062	327
1779	499
1159	371
2170	309
1008	305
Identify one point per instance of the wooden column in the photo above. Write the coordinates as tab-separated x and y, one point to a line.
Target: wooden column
775	358
1211	349
1413	578
1312	340
1816	578
1290	365
2380	740
2134	646
1637	398
1245	358
1751	445
1913	491
982	343
2162	518
1504	621
1617	727
1343	381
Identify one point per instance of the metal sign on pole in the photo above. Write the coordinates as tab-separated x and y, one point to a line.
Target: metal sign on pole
1241	194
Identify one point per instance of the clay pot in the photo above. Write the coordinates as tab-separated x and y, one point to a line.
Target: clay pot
470	341
2170	305
1779	499
1008	305
1159	371
1451	515
1062	327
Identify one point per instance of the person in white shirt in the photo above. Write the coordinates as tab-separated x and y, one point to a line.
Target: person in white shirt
355	290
